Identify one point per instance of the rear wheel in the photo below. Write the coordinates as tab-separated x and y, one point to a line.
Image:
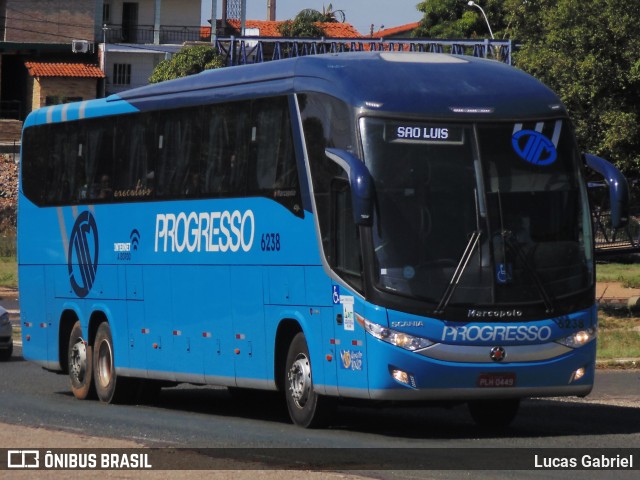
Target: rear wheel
494	414
306	407
6	354
80	363
109	386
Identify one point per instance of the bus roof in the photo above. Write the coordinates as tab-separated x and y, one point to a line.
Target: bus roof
406	83
431	84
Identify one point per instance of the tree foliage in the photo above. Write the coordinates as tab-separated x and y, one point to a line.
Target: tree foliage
305	23
588	52
456	19
188	61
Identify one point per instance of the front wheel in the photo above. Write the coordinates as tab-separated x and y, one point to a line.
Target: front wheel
306	408
109	386
80	363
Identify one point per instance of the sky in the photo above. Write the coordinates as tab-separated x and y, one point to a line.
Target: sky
359	13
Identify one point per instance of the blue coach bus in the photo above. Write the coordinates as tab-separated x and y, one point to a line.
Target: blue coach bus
379	226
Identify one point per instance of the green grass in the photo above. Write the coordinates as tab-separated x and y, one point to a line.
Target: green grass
618	336
627	274
618	344
8	272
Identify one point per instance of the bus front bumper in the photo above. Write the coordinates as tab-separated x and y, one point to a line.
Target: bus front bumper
398	374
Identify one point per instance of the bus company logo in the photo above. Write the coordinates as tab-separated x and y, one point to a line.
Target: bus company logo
497	354
534	147
83	254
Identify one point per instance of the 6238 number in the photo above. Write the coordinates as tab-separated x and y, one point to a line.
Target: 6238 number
270	242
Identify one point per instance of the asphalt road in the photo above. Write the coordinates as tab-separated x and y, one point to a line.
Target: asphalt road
204	417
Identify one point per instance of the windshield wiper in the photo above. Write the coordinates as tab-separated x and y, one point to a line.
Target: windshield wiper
460	268
508	238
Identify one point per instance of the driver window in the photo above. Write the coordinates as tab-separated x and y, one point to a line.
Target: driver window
347	258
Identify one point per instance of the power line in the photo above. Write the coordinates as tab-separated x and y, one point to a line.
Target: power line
48	34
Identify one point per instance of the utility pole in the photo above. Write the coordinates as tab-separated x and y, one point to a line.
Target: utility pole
104	60
271	10
214	21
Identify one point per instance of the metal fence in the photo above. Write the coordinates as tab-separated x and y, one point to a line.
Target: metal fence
146	34
609	241
247	50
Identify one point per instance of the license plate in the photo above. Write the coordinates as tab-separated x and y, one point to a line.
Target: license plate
496	380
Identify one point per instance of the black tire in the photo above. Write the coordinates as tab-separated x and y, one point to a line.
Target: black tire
306	408
80	364
110	388
494	414
5	355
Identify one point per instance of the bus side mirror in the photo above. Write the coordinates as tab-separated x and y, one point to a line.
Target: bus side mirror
618	188
360	182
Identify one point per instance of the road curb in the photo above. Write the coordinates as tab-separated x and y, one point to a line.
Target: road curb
621	363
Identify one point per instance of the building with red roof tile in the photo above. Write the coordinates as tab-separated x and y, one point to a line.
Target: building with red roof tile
401	31
51	83
53	69
268	28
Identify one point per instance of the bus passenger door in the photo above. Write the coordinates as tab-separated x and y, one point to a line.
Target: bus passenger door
350	348
346	260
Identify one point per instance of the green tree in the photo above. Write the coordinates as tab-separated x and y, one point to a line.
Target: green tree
456	19
589	53
188	61
305	23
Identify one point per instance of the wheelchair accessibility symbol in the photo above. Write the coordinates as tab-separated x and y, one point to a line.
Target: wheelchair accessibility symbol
336	294
504	273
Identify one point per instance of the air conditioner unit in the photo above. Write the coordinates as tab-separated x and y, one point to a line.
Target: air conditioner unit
79	46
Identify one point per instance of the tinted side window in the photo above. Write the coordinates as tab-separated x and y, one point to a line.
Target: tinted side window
223	150
178	143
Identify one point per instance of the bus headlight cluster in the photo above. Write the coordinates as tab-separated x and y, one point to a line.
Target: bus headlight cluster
399	339
580	338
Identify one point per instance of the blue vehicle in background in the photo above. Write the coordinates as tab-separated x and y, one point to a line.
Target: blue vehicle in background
377	226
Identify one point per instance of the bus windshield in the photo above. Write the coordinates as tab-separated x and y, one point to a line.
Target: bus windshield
478	215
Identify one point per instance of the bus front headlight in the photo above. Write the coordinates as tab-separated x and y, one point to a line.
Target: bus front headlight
399	339
580	338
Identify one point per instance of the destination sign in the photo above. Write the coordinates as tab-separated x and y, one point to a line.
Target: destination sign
424	133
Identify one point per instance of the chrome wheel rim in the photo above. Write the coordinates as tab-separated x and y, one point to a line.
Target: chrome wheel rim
300	380
78	361
105	364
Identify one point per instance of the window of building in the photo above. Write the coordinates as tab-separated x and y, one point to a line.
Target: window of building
106	13
122	74
59	99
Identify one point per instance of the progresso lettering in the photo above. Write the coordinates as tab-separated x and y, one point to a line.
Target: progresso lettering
497	333
205	231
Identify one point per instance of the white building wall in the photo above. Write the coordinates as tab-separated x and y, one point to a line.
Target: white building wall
142	65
